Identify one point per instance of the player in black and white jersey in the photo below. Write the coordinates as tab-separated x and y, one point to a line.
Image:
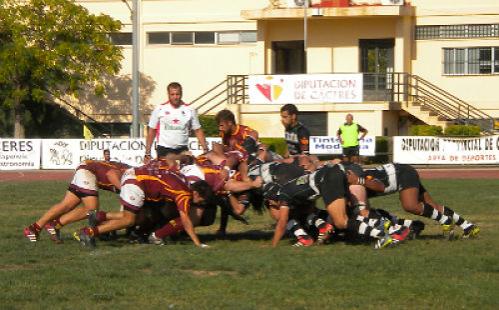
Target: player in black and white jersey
297	135
415	199
329	182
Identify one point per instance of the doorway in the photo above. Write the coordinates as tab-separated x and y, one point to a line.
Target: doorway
288	57
376	60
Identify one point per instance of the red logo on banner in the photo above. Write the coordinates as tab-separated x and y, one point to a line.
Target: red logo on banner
270	91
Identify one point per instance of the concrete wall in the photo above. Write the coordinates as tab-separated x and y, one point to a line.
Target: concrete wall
196	67
333	47
477	90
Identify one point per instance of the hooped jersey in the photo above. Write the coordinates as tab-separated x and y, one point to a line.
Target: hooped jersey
100	169
214	175
235	141
387	174
166	185
276	172
297	139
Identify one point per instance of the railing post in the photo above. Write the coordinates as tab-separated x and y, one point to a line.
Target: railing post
244	89
229	90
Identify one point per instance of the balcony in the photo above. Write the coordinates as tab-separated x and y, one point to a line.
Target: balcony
285	10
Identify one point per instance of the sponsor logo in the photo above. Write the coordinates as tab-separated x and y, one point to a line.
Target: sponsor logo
271	90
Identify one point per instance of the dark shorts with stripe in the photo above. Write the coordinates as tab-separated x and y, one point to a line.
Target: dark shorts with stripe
332	184
163	151
408	177
351	151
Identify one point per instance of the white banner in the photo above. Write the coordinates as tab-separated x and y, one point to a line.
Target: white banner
323	145
69	153
305	88
440	150
19	154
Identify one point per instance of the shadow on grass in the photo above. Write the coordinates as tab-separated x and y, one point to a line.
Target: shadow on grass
255	235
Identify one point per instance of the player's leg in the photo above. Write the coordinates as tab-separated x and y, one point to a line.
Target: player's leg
132	198
68	203
470	229
333	190
303	239
89	203
410	203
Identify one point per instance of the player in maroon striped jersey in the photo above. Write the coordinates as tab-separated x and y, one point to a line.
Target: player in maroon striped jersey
90	176
141	184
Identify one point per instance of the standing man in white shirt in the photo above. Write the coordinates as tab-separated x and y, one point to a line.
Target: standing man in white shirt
170	124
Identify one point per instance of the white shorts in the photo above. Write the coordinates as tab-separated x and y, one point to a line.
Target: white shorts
84	183
131	195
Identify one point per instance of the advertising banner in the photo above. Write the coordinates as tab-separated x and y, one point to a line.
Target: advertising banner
305	88
442	150
19	154
323	145
69	153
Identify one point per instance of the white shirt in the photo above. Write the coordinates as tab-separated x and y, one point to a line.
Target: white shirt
173	125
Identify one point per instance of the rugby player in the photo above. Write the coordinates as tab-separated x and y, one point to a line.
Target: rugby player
415	199
141	184
220	182
90	176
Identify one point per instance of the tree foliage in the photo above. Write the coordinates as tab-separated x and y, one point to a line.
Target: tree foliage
50	49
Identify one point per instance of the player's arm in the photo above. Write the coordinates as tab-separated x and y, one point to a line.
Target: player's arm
368	182
151	134
280	228
189	228
198	131
338	135
363	130
304	139
241	186
150	138
201	139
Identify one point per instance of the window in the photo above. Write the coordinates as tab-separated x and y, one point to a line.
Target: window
204	37
182	38
457	31
473	60
121	38
248	36
197	37
228	37
158	37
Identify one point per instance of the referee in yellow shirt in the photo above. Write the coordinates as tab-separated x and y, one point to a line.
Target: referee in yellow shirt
348	134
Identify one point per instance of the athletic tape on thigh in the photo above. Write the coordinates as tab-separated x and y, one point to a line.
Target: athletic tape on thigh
392	178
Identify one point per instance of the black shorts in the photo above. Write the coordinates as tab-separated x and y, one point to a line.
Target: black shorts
408	177
163	151
351	151
332	184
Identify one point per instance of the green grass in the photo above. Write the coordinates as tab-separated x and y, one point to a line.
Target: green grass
245	272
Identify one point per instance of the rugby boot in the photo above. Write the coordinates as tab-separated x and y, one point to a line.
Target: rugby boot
448	231
96	217
471	232
85	237
155	240
416	228
400	234
31	233
304	241
53	231
384	242
325	232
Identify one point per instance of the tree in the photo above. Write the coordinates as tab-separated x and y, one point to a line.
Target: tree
51	49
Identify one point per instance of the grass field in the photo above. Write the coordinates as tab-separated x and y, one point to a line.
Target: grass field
244	272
